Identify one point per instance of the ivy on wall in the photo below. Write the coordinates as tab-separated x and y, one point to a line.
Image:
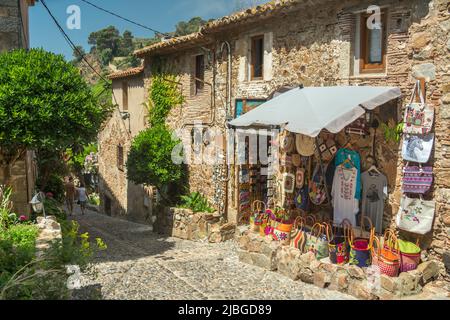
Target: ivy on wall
164	95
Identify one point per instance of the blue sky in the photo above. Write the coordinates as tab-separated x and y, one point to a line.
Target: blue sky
161	15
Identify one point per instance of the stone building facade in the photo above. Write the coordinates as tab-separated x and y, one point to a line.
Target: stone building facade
316	43
119	197
14	24
14	33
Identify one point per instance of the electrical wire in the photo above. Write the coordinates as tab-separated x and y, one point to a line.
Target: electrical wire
123	18
74	47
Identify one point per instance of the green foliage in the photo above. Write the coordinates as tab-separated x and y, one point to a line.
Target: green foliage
393	132
184	28
45	103
150	158
196	202
94	199
54	185
105	39
76	54
54	208
164	95
77	158
5	207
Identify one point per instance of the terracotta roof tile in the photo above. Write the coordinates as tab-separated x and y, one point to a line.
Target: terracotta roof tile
239	18
126	73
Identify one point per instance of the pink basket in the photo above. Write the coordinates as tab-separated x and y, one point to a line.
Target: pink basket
409	262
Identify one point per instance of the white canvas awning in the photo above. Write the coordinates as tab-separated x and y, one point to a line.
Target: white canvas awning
310	110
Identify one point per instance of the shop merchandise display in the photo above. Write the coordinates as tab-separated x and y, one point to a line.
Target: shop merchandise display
375	192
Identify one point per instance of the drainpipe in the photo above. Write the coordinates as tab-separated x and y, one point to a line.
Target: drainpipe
228	117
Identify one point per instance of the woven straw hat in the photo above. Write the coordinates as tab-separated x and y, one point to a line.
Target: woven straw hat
286	141
305	145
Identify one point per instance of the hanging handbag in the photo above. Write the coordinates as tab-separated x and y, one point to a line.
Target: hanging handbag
288	183
417	180
317	191
327	149
360	248
409	255
416	215
386	257
419	117
418	148
302	199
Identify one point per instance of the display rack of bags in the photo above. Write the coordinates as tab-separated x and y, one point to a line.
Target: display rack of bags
416	215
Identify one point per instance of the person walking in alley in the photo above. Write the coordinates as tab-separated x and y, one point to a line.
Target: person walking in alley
82	197
70	194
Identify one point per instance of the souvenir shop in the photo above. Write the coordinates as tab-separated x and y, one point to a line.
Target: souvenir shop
328	194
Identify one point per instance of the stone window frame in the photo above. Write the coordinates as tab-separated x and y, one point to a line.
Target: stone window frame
356	43
364	66
254	54
199	73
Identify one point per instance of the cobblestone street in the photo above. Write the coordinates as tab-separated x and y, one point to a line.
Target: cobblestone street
139	264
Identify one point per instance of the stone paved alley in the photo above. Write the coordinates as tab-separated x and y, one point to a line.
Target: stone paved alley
139	264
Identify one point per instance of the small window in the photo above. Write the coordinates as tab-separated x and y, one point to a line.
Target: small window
199	73
125	96
257	58
120	160
373	46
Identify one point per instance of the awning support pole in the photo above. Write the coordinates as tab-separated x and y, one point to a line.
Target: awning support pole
323	171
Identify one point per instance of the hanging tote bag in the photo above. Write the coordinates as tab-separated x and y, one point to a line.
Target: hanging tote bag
417	180
418	148
298	234
386	257
316	241
258	210
416	215
317	191
360	248
409	255
419	117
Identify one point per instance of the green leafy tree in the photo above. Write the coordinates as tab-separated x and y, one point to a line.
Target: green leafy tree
184	28
44	104
126	44
78	53
107	38
150	159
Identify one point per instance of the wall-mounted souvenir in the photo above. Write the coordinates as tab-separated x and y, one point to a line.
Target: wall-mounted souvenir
297	160
288	183
304	145
286	141
327	149
417	148
419	117
300	178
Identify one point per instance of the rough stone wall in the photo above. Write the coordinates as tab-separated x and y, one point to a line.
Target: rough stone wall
197	108
127	199
12	33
